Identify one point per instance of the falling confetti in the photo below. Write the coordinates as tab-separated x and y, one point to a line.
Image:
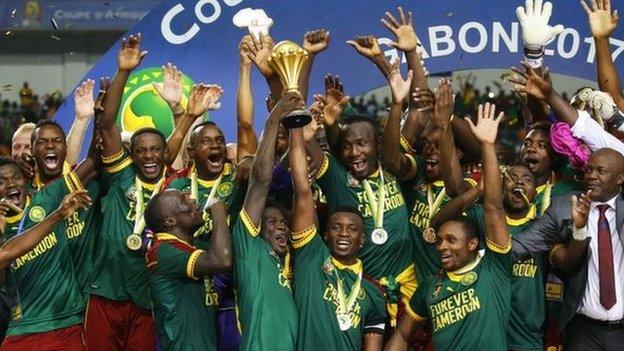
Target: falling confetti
13	13
55	37
7	87
8	33
54	23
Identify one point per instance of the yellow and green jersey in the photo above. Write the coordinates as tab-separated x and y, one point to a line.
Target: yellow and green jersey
315	290
265	306
392	262
119	273
469	308
50	294
180	299
228	189
418	195
528	303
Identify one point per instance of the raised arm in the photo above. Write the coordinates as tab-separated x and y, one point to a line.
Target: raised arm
602	23
204	97
303	204
368	47
333	103
402	335
129	57
26	241
218	257
450	168
568	257
247	142
457	206
314	42
170	90
486	129
264	161
84	103
395	160
420	112
259	52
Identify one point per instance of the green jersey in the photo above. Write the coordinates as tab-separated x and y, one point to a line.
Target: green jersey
50	295
528	304
469	309
228	189
120	273
392	261
424	199
179	298
545	193
8	290
316	296
266	310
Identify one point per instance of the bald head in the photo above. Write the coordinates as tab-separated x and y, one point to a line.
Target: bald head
604	174
159	208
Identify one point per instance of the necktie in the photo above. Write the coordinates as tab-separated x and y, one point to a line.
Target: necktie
605	260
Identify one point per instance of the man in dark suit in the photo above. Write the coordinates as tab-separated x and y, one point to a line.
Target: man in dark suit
585	236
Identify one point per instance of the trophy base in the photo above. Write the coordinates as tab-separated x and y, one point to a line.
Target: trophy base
297	119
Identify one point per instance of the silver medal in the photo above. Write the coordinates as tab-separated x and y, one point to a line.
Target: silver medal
344	322
379	236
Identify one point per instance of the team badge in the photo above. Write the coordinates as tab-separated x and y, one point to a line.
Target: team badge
436	291
224	189
469	278
36	214
328	267
352	182
131	194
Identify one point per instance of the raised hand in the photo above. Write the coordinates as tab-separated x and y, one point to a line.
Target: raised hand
487	125
366	46
423	99
309	130
532	83
444	103
83	100
403	29
243	50
288	103
7	208
536	32
259	52
73	202
602	21
204	97
316	41
130	54
580	209
171	87
400	88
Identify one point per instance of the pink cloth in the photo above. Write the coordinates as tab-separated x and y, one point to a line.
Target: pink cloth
565	143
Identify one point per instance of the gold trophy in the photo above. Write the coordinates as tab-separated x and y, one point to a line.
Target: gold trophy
286	60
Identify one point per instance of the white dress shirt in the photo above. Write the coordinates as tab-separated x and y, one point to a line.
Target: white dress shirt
593	135
590	303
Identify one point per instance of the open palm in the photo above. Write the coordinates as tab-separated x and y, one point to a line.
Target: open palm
486	128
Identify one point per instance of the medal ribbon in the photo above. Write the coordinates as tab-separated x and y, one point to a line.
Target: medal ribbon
345	304
546	198
376	207
139	220
434	205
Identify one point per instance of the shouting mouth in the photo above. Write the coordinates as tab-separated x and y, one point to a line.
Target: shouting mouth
51	161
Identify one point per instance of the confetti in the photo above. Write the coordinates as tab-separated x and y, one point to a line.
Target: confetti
54	23
13	13
7	87
55	37
8	33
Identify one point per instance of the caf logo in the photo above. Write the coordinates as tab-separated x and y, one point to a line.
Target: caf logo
142	106
36	214
225	189
469	278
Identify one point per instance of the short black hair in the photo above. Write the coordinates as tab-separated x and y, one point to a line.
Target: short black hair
557	160
46	122
146	130
155	213
469	224
197	127
273	203
5	161
347	209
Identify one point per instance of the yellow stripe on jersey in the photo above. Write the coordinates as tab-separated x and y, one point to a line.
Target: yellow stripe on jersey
324	167
190	265
413	167
77	183
251	228
69	183
406	146
113	158
302	238
497	248
119	166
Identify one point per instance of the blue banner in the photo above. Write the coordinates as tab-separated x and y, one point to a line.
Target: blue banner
200	38
72	14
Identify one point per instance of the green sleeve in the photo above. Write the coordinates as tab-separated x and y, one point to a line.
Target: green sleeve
475	212
48	199
307	245
376	318
417	308
243	235
118	167
176	262
498	260
331	176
